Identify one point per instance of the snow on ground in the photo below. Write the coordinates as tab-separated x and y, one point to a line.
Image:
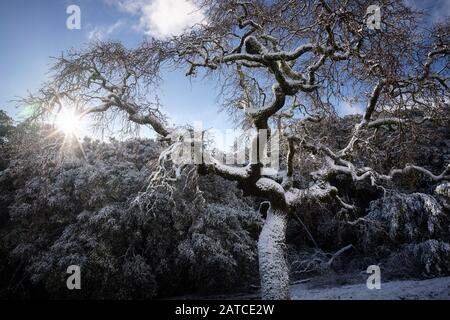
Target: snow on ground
433	289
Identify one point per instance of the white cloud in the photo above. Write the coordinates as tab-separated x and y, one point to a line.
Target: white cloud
347	108
103	32
162	18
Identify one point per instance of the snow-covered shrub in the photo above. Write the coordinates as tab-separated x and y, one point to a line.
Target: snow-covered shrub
219	252
405	218
81	208
430	258
442	192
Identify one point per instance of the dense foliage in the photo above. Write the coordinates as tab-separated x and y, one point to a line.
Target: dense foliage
62	208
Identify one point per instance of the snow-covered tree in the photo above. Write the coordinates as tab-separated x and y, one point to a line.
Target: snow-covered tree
282	63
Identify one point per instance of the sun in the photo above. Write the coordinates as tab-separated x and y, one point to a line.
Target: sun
69	123
72	125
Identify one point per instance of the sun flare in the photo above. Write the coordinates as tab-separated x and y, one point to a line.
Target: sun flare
69	123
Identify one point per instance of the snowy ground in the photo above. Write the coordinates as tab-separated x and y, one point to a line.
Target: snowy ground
434	289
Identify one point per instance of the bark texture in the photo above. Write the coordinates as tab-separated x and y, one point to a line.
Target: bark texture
273	267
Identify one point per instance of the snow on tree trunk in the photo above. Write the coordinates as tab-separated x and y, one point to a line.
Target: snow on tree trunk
273	267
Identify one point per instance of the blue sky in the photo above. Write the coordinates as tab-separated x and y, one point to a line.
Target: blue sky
33	31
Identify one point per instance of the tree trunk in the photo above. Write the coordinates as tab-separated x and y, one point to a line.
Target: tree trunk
273	267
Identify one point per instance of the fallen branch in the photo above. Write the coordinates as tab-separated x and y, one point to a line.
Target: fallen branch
337	254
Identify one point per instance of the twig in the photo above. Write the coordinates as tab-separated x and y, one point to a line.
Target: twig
338	253
307	231
301	281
